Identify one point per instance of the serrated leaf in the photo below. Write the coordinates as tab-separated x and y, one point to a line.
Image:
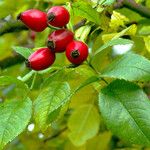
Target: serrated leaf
83	124
14	117
112	43
125	109
49	100
130	67
85	10
25	52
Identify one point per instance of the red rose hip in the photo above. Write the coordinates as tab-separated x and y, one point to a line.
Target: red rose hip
58	16
34	19
59	39
41	59
77	52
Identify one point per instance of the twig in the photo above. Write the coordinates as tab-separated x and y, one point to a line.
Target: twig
131	4
97	72
33	81
11	26
80	24
10	61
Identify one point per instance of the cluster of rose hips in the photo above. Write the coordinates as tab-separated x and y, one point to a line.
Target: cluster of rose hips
58	41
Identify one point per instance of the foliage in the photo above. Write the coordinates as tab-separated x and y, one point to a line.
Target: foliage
101	104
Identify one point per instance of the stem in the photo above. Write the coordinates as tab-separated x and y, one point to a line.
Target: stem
11	26
79	24
49	70
33	81
97	72
11	61
52	27
27	76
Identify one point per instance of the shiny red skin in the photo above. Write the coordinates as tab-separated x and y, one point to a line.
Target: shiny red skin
61	16
34	19
41	59
60	38
81	48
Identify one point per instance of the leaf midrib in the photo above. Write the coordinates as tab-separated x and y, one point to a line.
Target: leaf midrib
52	97
11	114
78	7
83	122
118	67
136	123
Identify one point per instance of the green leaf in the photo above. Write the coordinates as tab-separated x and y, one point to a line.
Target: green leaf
85	10
69	8
118	20
83	124
14	117
100	142
12	87
125	109
25	52
112	43
83	32
147	43
88	81
103	2
107	2
130	67
49	100
131	30
52	116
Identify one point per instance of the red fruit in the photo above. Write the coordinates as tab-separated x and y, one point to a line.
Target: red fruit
34	19
59	39
41	59
77	52
58	16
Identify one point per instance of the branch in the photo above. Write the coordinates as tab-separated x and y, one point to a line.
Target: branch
79	24
11	26
10	61
17	26
131	4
